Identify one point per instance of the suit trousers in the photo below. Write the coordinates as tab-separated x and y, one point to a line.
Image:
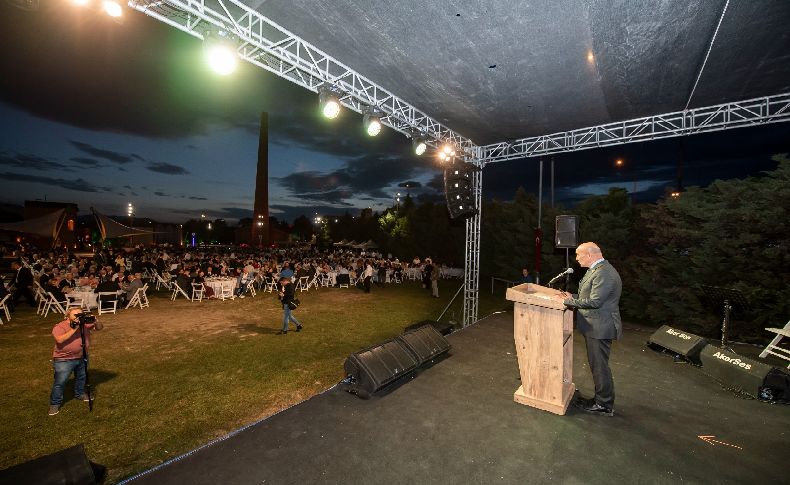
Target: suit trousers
598	356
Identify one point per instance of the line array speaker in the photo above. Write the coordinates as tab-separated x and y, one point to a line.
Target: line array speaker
682	343
459	191
566	231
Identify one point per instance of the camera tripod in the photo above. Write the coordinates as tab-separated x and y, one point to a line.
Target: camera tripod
85	362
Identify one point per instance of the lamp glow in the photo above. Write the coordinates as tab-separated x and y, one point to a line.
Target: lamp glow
112	8
221	58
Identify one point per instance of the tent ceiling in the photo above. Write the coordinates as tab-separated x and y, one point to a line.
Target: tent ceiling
645	56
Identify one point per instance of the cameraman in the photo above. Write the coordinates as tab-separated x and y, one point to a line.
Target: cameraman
67	357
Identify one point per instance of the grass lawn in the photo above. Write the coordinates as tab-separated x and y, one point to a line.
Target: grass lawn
179	374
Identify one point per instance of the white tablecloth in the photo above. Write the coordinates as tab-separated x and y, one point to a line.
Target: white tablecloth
217	285
89	298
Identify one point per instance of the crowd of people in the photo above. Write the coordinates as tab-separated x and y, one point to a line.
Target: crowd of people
123	271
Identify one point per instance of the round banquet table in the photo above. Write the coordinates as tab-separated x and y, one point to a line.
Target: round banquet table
217	285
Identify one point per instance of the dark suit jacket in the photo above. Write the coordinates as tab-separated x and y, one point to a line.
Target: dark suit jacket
598	303
23	278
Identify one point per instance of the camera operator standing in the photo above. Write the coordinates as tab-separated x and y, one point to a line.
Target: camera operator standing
68	355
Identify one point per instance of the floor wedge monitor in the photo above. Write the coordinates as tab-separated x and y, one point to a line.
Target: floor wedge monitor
679	342
373	368
734	371
424	343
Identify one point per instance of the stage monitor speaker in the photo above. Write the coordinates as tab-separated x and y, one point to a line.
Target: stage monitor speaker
682	343
371	369
566	231
424	343
444	328
65	467
734	371
459	189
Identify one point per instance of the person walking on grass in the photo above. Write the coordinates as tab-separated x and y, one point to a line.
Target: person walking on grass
287	294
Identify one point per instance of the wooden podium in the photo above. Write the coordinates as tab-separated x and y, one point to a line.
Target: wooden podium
543	330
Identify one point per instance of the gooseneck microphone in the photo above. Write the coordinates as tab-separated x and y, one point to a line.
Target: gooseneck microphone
567	271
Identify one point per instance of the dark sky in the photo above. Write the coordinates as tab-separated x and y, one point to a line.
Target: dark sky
104	114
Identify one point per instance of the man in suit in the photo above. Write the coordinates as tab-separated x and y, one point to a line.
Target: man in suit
23	284
598	319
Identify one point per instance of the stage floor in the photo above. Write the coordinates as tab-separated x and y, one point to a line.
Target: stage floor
456	423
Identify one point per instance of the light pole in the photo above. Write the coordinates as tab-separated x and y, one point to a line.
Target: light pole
620	163
130	213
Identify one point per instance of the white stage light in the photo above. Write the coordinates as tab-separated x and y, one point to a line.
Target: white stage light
112	8
372	124
419	146
329	102
219	50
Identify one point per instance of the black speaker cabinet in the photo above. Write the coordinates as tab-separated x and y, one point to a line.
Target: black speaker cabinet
683	343
734	371
459	189
424	343
444	328
65	467
371	369
566	231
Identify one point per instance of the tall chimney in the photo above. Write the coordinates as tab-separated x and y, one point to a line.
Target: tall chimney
260	217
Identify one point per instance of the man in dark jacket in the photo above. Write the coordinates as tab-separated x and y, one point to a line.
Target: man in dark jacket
22	283
598	319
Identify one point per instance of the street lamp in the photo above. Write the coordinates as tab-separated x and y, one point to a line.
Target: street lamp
130	213
620	163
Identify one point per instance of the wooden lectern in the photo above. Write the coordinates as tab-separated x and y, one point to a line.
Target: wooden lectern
543	330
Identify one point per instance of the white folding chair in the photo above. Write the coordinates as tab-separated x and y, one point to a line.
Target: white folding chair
160	281
178	291
315	282
251	288
197	291
303	284
773	347
74	302
226	293
55	305
143	295
271	284
135	300
343	280
4	307
110	304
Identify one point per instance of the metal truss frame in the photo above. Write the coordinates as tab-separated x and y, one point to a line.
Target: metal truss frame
472	252
270	46
751	112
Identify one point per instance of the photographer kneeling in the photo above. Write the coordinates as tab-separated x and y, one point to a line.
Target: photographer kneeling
67	356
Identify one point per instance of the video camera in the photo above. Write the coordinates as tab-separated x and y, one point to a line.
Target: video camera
83	319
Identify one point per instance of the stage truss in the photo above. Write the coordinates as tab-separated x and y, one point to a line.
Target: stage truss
269	46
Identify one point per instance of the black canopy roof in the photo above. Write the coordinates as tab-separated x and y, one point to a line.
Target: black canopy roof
505	69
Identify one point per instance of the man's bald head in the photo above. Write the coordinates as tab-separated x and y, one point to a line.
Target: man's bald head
588	253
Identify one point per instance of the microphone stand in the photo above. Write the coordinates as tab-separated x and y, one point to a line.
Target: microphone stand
85	362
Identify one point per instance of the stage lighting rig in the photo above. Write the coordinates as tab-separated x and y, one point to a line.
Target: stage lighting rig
371	120
446	153
418	144
219	49
329	101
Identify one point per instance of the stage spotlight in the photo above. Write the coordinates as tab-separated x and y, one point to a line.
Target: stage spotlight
446	153
372	122
329	101
112	8
219	49
419	146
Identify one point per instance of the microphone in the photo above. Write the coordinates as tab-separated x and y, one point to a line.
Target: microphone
567	271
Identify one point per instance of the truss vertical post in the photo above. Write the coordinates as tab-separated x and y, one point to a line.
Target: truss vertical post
472	252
